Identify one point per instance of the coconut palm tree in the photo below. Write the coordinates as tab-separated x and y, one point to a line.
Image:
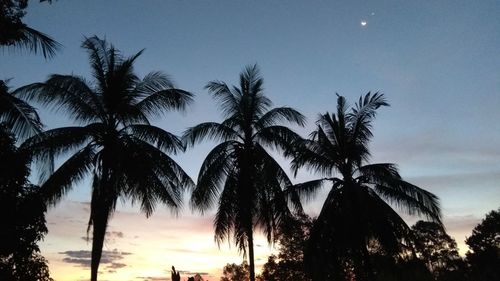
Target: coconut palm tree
239	173
114	143
17	115
15	33
356	216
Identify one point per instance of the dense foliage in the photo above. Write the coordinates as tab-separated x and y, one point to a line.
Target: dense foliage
235	272
438	251
22	215
15	33
288	264
17	115
484	244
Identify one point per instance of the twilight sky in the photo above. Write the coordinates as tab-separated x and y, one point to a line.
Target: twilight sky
436	61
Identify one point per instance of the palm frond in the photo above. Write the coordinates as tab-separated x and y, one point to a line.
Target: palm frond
167	169
48	145
214	170
98	51
314	157
243	228
163	140
229	102
224	221
164	100
411	198
146	181
253	102
209	130
333	129
380	173
19	116
151	176
363	114
152	83
65	93
304	191
68	174
281	114
385	225
279	137
34	41
272	203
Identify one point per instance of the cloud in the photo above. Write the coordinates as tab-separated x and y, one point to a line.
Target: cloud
461	223
117	234
189	273
77	254
110	237
79	262
116	265
82	258
151	278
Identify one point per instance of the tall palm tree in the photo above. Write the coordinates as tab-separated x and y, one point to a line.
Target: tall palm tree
115	143
356	216
15	33
19	117
239	173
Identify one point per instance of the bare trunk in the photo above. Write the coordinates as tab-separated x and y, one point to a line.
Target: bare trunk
100	223
251	256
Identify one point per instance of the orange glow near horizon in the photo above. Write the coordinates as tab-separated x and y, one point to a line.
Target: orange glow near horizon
139	248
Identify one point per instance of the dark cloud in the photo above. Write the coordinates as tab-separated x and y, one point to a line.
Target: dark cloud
77	254
80	262
82	258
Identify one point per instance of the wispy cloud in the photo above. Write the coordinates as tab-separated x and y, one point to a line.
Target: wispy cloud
151	278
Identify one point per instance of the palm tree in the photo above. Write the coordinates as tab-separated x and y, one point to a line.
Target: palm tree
115	143
239	173
18	116
15	33
356	216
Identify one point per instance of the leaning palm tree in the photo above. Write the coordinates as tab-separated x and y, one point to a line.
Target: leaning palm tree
17	115
115	143
14	33
356	217
239	172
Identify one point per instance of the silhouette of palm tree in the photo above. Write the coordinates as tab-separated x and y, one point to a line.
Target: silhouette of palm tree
15	33
239	173
355	211
19	117
115	144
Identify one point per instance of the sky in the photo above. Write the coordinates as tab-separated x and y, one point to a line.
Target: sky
437	62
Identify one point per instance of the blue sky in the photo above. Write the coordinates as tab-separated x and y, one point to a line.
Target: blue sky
437	62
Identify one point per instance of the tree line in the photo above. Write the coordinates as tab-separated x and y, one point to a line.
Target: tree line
437	255
113	143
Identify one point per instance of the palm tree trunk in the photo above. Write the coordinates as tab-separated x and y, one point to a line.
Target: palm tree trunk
251	256
100	223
